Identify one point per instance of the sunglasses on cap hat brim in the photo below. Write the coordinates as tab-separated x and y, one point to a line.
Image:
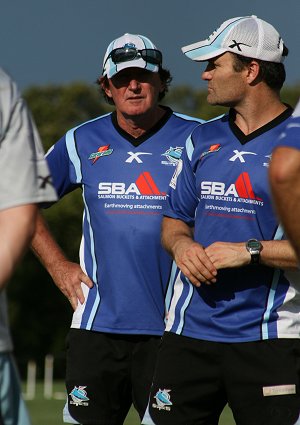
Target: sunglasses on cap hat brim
126	54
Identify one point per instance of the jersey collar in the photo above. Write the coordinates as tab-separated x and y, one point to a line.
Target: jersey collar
139	140
243	138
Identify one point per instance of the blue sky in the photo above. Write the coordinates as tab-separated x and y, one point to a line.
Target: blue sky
61	41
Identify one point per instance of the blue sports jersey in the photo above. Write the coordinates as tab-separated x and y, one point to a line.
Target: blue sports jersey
124	183
221	188
291	134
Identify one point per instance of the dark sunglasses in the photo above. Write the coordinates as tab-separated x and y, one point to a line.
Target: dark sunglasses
125	54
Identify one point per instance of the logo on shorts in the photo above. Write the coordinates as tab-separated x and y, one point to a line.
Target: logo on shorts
79	396
163	401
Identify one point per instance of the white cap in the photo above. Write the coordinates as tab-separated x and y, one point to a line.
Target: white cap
136	41
246	36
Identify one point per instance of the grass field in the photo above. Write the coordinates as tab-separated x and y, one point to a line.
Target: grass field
49	412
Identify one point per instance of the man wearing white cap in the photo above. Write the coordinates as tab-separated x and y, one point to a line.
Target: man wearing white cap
123	162
232	333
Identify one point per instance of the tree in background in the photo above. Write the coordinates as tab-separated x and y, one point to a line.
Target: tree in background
40	315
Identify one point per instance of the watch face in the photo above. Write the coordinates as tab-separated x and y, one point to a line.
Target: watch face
254	244
254	247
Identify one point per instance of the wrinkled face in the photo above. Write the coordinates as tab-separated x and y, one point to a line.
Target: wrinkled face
134	91
226	87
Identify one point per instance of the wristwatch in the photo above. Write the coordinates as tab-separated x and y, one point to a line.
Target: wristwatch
254	247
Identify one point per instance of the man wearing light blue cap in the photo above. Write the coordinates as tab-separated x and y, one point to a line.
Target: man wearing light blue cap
128	48
232	334
123	162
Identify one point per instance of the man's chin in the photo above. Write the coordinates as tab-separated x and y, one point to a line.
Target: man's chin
135	112
215	102
211	102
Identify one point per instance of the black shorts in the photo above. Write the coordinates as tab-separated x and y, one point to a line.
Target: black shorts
106	373
194	379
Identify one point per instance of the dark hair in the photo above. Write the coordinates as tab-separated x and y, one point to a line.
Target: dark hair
164	74
273	74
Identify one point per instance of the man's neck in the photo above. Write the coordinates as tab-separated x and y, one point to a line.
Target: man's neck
137	125
258	111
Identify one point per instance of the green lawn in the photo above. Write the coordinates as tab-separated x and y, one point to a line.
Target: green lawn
49	412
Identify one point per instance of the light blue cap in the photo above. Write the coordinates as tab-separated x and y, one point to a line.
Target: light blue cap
128	40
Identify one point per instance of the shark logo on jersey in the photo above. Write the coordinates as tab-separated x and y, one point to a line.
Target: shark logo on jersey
163	400
79	396
213	148
102	151
173	155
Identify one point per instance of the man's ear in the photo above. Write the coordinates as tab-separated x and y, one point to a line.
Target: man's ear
104	83
107	91
253	71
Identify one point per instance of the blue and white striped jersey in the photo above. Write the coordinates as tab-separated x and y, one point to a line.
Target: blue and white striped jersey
221	188
124	185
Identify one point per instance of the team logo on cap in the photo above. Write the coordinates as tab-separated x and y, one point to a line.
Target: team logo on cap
129	46
237	45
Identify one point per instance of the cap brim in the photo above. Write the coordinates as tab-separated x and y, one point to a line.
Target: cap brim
199	52
112	69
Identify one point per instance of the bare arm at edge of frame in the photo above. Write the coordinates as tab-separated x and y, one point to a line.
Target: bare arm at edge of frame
17	226
284	176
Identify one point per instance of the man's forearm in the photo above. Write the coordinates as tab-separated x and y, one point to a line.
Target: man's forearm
16	228
174	232
45	247
285	184
67	275
190	256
